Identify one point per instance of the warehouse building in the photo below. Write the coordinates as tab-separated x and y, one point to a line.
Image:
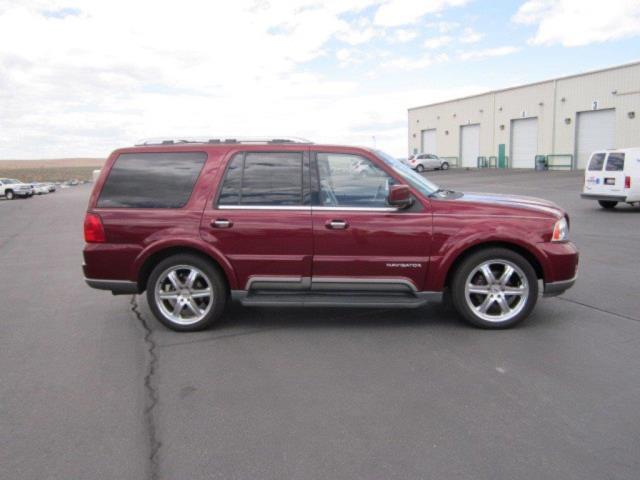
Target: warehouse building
560	121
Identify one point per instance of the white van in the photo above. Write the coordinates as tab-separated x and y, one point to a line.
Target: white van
613	176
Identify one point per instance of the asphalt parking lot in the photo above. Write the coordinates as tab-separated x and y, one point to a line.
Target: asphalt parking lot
91	386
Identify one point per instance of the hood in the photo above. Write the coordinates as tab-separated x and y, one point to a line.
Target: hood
532	204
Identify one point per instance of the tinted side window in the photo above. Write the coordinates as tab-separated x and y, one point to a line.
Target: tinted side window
351	181
152	180
596	162
263	179
615	162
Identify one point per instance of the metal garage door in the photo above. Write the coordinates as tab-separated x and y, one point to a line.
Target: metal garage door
469	145
524	142
594	131
429	141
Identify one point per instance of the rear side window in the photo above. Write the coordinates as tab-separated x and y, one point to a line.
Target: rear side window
615	162
597	160
263	179
152	180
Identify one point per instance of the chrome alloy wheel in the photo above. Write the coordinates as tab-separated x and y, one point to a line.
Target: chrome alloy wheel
183	294
496	290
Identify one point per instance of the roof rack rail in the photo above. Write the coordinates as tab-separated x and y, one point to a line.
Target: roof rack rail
217	140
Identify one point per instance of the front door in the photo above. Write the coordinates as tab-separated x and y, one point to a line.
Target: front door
360	242
260	219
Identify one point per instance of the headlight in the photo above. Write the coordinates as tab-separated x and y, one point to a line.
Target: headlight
560	231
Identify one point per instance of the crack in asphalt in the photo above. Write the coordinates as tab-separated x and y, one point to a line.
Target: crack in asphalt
152	397
602	310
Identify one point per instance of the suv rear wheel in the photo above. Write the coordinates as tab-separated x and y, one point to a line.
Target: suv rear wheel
494	288
186	292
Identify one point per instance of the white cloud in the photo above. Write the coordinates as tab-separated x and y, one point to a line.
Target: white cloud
402	35
76	82
410	64
358	32
437	42
487	53
574	23
443	27
395	13
469	35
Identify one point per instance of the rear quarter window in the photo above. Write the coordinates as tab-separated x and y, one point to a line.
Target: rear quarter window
151	180
596	162
615	162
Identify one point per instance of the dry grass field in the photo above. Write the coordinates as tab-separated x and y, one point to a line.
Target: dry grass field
57	170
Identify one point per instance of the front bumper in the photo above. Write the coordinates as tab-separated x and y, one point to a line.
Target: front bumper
554	289
561	266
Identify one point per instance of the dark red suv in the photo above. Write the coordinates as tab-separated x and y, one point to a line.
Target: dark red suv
289	223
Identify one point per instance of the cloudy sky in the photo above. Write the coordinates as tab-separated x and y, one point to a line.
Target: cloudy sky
80	78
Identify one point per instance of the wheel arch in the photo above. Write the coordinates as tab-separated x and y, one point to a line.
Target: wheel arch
149	261
519	249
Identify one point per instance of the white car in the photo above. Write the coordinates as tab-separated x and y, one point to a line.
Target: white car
11	188
613	176
40	188
427	161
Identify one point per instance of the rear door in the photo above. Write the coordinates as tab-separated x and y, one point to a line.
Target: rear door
360	242
605	174
593	175
613	175
260	218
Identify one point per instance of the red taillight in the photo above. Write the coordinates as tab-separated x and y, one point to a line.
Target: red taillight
627	182
93	229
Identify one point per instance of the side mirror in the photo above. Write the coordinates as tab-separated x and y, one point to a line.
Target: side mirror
400	196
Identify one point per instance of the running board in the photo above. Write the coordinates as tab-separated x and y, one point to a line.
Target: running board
356	300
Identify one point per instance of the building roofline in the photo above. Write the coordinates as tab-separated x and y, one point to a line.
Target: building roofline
516	87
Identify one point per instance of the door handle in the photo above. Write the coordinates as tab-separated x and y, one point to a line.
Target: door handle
336	224
221	223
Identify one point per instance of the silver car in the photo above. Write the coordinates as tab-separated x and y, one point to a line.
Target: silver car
427	161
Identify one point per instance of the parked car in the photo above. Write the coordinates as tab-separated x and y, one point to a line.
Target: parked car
427	161
40	189
51	187
280	223
612	177
11	188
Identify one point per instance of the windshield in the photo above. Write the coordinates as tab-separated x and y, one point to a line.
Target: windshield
414	179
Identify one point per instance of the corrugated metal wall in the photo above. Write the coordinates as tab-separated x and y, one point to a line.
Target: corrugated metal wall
555	103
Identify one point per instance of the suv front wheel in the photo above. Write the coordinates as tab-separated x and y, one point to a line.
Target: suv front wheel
186	293
494	288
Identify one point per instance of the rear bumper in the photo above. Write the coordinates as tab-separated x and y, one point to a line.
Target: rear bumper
608	198
117	287
557	288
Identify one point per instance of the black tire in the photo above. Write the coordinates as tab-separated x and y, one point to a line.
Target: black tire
466	268
213	276
444	166
10	195
419	169
607	204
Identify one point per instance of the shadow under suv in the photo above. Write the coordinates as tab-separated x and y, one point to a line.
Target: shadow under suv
277	223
